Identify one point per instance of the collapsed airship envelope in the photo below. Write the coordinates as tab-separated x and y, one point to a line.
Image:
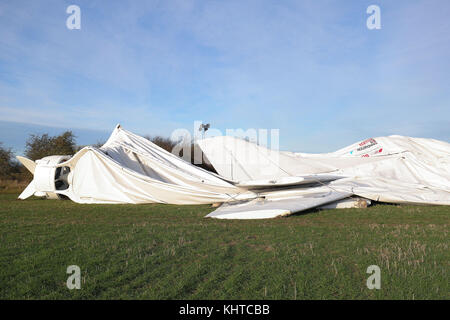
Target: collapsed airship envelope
252	181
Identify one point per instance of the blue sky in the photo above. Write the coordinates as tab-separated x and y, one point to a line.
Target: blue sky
309	68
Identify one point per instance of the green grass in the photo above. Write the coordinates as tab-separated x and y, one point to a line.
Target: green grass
173	252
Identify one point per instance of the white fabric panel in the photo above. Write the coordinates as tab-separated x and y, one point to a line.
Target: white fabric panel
392	169
131	169
240	160
99	179
287	181
268	208
122	144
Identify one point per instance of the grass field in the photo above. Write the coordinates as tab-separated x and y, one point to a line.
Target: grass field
173	252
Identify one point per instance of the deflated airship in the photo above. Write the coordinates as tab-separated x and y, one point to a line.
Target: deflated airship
252	182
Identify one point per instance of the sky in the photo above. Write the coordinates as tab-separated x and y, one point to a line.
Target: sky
311	69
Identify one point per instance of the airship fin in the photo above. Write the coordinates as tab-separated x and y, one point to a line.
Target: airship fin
29	164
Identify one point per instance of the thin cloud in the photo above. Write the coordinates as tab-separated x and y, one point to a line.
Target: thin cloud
311	69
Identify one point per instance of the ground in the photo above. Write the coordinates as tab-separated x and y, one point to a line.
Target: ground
173	252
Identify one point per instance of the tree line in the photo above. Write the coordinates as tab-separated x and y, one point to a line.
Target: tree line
36	147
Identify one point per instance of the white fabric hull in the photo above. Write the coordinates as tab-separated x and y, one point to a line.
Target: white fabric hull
254	182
